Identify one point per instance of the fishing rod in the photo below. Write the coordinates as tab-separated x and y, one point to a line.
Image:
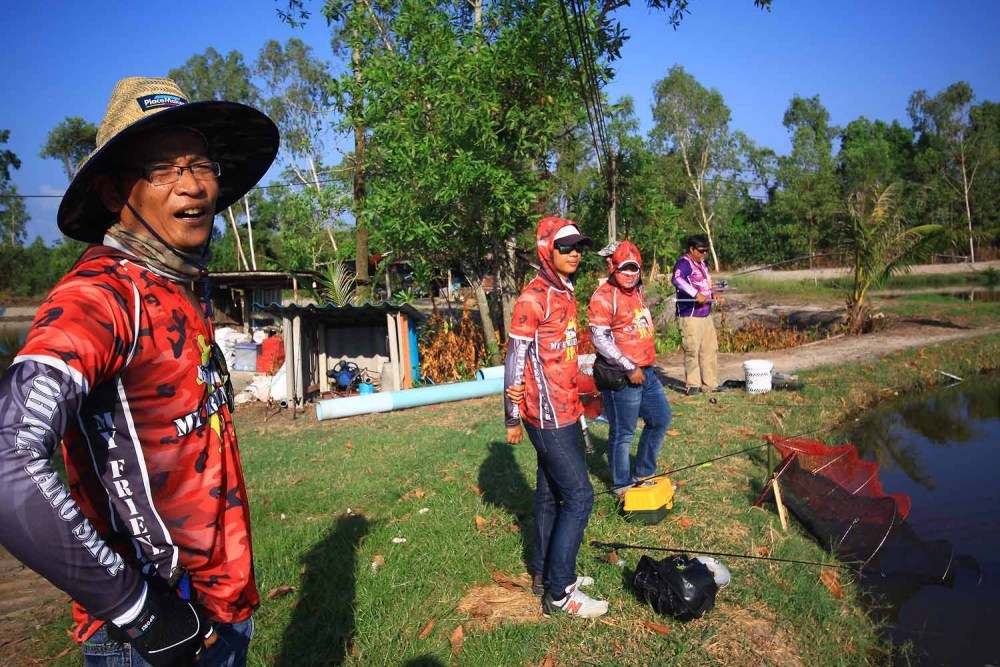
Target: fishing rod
787	261
724	456
621	545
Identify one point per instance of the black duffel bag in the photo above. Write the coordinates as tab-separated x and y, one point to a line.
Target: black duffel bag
607	376
677	586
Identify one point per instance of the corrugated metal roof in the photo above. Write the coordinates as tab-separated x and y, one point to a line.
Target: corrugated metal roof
367	314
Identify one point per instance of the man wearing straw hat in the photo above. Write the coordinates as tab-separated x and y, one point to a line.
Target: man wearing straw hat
152	537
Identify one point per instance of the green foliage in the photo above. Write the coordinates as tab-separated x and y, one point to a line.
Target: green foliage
70	142
877	245
212	76
13	215
668	338
958	143
809	198
337	285
8	160
33	270
692	123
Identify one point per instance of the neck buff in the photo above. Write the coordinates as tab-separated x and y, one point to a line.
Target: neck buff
161	258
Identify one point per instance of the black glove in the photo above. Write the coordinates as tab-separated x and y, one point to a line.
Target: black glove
169	631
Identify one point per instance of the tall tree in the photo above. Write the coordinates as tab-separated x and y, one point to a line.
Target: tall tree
692	122
13	215
985	131
297	84
70	142
944	123
874	152
212	76
809	194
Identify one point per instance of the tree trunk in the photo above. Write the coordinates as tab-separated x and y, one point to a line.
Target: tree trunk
358	192
508	287
489	329
966	189
240	255
253	255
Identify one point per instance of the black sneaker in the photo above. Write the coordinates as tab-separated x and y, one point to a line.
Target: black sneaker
692	391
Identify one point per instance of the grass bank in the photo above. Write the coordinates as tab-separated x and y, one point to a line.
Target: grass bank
379	538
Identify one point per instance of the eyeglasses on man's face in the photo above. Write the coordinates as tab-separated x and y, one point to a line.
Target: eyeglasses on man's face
702	250
564	249
165	174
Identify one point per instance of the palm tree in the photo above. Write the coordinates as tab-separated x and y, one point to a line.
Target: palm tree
875	242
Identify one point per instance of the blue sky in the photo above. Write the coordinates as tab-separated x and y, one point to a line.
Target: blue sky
862	57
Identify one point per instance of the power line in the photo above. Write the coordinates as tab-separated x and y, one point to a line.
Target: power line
293	184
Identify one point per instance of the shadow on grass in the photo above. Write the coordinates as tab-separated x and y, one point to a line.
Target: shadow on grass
424	661
504	486
322	625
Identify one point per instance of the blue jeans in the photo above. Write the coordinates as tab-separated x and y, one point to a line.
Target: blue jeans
623	409
230	650
564	498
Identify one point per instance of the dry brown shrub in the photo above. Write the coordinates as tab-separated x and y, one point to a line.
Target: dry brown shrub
759	337
451	352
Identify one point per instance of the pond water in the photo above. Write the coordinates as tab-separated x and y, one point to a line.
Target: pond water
971	294
943	450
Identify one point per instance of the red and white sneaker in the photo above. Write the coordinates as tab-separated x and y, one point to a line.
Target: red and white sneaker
576	603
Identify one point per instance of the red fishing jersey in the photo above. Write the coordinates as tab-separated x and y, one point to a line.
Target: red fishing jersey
541	350
625	314
120	360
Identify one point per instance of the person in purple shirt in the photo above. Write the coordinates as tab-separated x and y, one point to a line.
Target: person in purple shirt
695	297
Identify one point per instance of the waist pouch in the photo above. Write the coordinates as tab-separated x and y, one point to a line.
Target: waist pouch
607	376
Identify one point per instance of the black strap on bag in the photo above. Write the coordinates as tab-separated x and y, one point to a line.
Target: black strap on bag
608	376
676	586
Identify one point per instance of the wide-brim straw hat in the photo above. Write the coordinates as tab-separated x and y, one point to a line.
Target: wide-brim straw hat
243	140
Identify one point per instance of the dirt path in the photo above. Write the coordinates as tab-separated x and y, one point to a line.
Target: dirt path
27	602
833	351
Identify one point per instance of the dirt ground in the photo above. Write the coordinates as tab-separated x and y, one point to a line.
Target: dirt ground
27	601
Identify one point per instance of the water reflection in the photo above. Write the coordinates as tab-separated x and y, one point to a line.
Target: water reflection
939	448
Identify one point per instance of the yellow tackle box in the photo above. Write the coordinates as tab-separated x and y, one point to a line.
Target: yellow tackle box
648	503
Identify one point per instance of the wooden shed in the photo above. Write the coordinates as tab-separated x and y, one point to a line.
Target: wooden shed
380	338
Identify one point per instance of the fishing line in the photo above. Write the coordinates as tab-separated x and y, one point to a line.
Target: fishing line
621	545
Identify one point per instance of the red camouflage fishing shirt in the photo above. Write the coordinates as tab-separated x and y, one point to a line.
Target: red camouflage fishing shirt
626	315
150	450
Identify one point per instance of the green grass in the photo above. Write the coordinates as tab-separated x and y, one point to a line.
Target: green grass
329	497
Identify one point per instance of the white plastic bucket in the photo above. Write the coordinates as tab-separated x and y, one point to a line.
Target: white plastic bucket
758	374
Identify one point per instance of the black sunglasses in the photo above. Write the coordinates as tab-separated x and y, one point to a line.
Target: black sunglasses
702	249
580	246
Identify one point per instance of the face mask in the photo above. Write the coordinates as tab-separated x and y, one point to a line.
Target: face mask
627	279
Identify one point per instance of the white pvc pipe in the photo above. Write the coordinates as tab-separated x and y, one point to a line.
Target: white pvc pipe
386	401
489	373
